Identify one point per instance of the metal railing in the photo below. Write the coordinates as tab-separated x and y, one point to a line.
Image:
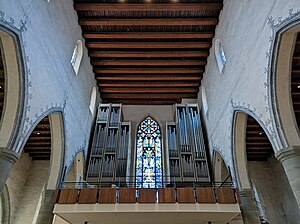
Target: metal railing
127	182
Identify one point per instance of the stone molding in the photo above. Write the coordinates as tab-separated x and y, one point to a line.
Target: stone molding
287	153
8	155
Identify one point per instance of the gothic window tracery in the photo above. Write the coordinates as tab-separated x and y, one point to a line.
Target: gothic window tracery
149	154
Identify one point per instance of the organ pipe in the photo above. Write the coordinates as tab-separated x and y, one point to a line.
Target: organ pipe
109	153
186	138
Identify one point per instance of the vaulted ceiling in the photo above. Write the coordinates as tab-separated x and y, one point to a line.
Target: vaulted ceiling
151	51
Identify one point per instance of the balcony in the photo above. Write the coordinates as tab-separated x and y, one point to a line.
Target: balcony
176	205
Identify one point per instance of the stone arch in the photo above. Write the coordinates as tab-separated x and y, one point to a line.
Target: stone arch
75	171
11	120
14	97
280	83
239	147
221	172
255	174
57	144
41	175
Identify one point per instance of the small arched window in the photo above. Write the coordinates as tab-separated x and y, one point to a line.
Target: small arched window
220	55
148	155
93	100
77	56
204	100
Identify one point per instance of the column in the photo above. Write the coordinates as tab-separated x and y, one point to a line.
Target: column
248	207
7	160
45	214
290	160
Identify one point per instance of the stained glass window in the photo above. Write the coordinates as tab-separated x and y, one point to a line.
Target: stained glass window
148	156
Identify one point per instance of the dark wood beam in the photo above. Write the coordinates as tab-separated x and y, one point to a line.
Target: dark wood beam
148	35
153	54
150	84
165	7
150	78
148	45
142	101
148	62
149	96
149	71
149	90
149	22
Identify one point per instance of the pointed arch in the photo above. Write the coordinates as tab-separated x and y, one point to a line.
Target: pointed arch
14	88
221	170
148	169
280	76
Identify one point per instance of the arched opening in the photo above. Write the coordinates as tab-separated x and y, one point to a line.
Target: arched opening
93	100
11	88
2	82
220	55
258	170
221	172
285	85
77	56
75	173
37	172
148	169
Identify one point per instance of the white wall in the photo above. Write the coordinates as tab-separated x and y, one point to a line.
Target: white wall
245	34
52	31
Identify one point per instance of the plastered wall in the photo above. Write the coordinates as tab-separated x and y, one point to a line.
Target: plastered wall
246	29
48	34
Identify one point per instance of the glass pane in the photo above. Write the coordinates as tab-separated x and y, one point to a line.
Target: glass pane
148	156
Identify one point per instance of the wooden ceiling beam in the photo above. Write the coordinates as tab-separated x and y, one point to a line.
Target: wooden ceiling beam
150	22
150	84
142	101
150	71
153	54
148	45
149	78
165	7
148	62
149	90
148	35
149	96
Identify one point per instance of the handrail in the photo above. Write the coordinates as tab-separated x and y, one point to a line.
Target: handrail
133	184
225	180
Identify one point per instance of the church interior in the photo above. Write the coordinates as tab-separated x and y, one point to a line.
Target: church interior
149	111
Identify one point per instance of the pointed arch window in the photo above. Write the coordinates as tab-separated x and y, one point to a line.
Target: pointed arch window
148	155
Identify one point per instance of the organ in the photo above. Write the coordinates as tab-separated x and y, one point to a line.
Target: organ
112	154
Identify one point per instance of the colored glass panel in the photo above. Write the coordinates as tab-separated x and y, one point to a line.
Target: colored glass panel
148	156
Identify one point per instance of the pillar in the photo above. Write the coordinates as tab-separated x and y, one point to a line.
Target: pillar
7	160
45	214
290	160
248	207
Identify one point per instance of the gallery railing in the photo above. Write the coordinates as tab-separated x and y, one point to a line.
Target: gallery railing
131	192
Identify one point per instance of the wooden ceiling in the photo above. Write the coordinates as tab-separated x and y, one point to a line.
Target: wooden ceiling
151	51
258	146
295	86
1	84
38	146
